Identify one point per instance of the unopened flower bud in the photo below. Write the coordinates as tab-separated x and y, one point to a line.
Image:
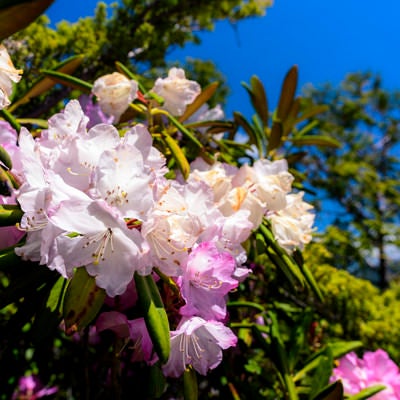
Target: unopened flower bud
114	93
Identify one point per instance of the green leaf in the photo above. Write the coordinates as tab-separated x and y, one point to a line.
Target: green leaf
68	80
315	140
6	114
178	155
5	158
253	134
340	348
275	136
367	393
312	283
190	387
311	112
82	302
201	99
42	85
280	358
18	14
258	98
185	131
332	392
288	92
154	315
10	214
49	317
156	382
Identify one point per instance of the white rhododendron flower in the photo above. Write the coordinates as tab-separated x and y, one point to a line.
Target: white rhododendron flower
177	91
292	226
114	93
8	74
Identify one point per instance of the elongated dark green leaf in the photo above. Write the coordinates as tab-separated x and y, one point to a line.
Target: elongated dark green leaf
201	99
68	80
44	83
253	134
6	114
178	155
288	92
157	382
258	98
5	158
18	14
283	261
315	140
82	301
49	316
10	214
280	358
190	387
341	348
154	315
367	393
275	136
185	131
332	392
312	283
311	112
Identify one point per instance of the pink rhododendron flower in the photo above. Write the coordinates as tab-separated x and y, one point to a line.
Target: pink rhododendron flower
30	388
206	279
198	343
375	368
134	329
94	112
177	91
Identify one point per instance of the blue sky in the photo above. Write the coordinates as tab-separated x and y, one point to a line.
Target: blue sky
326	39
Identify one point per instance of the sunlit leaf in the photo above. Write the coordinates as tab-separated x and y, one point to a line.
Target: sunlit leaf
201	99
68	80
367	393
258	98
45	83
10	214
190	387
316	141
154	315
288	92
275	136
178	155
82	302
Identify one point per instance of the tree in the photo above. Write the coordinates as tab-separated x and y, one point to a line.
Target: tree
138	34
359	181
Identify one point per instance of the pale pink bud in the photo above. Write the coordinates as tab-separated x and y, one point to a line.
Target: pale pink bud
114	93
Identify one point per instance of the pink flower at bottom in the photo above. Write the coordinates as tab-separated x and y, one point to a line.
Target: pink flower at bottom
375	368
30	388
199	343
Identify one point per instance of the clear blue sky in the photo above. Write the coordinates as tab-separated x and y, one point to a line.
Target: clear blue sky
326	39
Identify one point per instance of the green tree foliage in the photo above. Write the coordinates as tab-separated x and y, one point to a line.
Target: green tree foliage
358	183
138	33
354	309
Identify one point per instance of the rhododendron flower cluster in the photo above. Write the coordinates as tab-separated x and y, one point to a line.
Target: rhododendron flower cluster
375	368
99	199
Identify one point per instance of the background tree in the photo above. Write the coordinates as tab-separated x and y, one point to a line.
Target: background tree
359	182
138	33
